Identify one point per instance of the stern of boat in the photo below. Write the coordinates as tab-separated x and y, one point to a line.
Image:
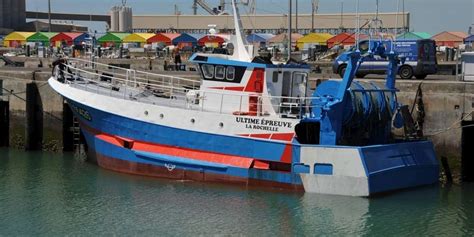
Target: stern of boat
364	171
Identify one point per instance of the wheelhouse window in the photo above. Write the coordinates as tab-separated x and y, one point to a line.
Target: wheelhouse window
220	72
230	73
208	71
275	77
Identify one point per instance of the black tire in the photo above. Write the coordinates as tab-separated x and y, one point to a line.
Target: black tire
341	70
360	75
406	72
421	76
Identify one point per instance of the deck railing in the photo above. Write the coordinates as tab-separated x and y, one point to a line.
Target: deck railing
176	92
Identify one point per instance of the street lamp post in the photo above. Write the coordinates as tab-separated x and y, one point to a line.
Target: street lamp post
49	15
290	3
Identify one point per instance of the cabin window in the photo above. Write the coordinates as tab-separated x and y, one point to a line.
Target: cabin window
298	87
208	71
286	87
220	72
275	77
230	73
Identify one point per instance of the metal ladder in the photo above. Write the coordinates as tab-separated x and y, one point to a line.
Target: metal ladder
76	134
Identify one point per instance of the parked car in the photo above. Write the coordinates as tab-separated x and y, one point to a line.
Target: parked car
419	59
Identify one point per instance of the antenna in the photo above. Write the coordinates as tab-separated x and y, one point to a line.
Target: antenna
396	27
358	27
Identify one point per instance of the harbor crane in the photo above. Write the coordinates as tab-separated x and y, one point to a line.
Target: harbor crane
204	5
252	4
221	8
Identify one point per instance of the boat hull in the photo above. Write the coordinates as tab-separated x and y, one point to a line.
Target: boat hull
126	144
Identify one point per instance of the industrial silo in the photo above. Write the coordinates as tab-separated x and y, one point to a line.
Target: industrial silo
114	19
130	20
125	19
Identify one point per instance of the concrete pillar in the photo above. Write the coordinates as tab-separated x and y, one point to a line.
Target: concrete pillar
1	13
7	13
21	15
34	118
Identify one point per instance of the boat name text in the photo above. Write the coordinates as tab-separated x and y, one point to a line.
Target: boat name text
263	124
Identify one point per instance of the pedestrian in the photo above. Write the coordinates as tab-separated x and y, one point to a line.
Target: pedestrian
61	65
177	60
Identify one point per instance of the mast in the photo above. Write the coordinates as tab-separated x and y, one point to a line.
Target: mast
290	3
240	52
296	19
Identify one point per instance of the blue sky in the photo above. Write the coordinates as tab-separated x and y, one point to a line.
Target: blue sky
432	16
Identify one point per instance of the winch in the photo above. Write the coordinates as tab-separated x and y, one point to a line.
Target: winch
349	112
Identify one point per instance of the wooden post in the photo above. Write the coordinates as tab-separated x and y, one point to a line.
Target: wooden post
4	123
34	118
4	119
447	170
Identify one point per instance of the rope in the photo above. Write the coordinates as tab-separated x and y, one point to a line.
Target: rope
22	99
452	126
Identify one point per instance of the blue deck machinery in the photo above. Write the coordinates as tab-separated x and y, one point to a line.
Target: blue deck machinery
349	134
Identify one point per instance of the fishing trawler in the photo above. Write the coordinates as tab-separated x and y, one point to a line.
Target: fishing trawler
249	121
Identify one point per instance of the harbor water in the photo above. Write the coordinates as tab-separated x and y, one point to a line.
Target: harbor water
56	195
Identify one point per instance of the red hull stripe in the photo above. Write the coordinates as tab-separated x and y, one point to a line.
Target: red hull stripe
161	172
230	160
273	136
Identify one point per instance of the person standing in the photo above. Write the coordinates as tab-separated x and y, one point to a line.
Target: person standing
177	61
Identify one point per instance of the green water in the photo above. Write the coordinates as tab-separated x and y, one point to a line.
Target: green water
56	195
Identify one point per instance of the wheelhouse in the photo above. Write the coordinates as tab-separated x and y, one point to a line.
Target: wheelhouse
256	88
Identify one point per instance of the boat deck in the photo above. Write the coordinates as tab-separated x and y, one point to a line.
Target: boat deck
165	90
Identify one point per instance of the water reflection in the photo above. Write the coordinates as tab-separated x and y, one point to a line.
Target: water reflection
47	194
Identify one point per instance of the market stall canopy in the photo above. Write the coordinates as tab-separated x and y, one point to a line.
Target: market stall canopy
165	38
414	35
449	38
469	39
313	39
69	39
283	37
138	38
211	41
112	39
186	39
16	39
42	37
259	38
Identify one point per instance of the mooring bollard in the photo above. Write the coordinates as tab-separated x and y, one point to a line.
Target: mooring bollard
34	118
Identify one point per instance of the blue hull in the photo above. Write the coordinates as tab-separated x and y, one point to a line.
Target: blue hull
385	167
